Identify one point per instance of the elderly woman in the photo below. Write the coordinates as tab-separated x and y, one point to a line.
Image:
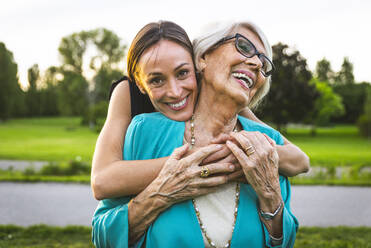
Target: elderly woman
235	63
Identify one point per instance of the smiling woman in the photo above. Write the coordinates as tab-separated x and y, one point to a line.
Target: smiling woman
166	73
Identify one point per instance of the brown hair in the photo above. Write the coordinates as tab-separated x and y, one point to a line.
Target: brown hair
149	35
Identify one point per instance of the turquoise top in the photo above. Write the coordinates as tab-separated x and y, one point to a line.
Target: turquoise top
153	136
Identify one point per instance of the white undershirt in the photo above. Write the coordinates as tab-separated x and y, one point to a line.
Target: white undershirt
217	214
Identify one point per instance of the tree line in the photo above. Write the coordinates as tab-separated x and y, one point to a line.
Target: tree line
297	95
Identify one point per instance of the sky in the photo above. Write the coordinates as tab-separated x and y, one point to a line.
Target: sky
334	29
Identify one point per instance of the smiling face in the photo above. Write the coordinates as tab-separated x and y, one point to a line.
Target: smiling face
166	73
231	73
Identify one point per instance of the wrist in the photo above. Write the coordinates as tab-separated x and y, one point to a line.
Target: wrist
270	215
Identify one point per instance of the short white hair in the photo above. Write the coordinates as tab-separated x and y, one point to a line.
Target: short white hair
217	31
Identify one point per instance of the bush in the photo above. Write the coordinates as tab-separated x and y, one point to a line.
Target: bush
95	116
364	126
74	167
51	169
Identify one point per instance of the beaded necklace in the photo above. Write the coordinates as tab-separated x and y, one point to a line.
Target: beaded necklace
202	226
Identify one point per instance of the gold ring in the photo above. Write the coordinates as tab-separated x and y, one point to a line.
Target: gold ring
204	172
249	150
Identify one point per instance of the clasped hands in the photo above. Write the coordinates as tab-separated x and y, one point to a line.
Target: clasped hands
244	156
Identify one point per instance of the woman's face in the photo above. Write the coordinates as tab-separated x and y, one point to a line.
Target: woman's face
166	73
231	73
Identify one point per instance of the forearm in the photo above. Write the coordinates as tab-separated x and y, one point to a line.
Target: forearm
292	160
284	225
271	204
142	212
123	178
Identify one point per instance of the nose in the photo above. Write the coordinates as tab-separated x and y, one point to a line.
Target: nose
174	89
254	62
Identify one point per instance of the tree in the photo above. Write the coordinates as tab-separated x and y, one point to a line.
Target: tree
326	105
33	94
72	94
49	92
364	122
10	92
345	75
323	71
291	97
73	51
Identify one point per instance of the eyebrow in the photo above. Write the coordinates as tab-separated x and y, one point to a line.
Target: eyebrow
176	68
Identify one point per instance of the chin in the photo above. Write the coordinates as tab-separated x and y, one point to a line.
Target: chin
184	116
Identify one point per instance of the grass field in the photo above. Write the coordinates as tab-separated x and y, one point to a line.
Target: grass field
46	139
79	237
62	139
335	146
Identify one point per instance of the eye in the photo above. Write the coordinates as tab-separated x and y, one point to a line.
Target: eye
182	73
156	81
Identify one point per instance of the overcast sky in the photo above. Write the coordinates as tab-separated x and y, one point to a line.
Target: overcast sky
32	29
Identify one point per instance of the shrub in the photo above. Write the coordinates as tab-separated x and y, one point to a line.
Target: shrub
364	125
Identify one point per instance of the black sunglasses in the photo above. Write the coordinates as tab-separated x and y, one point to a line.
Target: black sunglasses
247	49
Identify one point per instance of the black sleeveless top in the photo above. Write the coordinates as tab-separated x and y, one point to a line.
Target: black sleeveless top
139	102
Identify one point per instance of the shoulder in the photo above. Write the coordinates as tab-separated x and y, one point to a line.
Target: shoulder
120	85
155	119
152	135
250	125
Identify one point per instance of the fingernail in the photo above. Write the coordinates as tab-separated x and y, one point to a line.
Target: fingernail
231	167
219	146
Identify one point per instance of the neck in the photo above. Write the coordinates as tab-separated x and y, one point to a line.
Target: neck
214	114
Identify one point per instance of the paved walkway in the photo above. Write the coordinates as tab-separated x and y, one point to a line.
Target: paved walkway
21	164
73	204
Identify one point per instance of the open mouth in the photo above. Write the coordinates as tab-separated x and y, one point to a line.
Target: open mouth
243	79
179	105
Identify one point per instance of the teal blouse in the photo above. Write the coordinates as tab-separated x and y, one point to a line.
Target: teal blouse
153	136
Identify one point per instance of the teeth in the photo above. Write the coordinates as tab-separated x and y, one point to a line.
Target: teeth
244	77
179	104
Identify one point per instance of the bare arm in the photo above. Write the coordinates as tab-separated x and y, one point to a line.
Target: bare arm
111	176
292	160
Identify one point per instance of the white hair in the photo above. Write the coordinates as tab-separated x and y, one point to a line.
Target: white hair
217	31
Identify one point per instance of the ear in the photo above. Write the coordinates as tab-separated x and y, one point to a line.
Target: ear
202	63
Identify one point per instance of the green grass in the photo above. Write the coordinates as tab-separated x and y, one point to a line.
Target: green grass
336	146
333	237
17	176
46	139
78	237
45	236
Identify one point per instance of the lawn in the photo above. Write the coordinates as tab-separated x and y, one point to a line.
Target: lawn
333	146
46	139
63	139
78	237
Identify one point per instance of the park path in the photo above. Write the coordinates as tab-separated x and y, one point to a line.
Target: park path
73	204
21	164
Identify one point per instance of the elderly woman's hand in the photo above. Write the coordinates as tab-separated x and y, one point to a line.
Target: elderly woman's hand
181	177
259	161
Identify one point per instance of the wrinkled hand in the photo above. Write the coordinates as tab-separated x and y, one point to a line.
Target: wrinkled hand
180	179
225	155
260	167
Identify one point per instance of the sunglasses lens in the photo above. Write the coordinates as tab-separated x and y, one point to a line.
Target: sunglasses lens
245	47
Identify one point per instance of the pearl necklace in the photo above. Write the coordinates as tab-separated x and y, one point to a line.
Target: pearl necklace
237	199
202	226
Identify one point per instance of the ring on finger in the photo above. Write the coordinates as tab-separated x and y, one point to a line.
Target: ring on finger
249	150
205	172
